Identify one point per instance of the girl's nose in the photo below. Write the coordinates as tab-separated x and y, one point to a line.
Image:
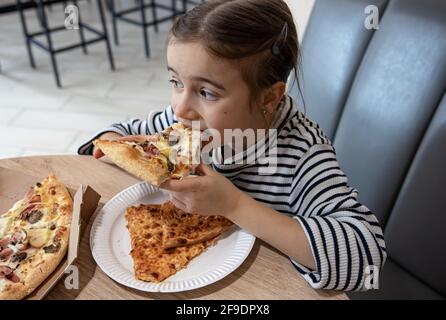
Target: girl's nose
184	109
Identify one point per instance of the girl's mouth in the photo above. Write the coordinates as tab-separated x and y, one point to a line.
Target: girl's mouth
194	124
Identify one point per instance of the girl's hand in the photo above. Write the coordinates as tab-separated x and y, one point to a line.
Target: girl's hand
97	153
208	194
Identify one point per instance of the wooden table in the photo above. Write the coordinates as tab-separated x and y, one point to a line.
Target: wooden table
265	274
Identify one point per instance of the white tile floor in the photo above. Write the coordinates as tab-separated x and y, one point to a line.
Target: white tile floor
37	118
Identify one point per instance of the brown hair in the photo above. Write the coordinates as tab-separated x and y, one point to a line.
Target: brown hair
260	34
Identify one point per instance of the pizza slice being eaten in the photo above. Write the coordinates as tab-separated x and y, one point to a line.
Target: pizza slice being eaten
172	153
34	237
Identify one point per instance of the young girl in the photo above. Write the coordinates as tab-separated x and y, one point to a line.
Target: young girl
228	63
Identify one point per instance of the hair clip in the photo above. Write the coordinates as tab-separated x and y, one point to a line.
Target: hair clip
275	49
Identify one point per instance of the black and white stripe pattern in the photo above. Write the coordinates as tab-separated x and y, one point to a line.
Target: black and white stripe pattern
309	186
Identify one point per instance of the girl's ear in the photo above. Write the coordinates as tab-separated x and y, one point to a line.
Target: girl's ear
271	97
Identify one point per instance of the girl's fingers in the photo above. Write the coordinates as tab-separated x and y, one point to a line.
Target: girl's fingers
185	184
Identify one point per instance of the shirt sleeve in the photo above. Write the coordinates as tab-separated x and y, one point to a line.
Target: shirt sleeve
156	121
346	238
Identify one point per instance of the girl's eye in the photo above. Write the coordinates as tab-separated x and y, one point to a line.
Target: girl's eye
176	83
208	95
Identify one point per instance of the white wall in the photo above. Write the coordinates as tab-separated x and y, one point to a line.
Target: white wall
301	10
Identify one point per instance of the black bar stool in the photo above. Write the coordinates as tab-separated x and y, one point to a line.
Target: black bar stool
30	38
6	8
141	6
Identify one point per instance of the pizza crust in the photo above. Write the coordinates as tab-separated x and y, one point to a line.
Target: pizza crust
131	160
64	201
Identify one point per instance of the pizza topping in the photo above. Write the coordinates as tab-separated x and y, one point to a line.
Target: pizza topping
182	241
38	185
143	145
7	273
52	190
35	216
165	134
7	245
5	254
20	256
35	198
4	243
156	150
19	236
170	165
52	248
4	226
27	211
59	234
38	237
32	199
151	151
148	235
13	248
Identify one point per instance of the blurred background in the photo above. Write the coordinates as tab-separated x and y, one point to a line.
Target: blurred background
37	117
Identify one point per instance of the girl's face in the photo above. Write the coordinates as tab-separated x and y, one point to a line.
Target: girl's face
209	90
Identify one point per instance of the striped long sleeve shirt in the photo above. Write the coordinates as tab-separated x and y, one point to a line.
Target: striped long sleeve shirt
308	185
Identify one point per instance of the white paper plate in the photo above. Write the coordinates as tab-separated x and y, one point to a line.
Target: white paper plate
110	246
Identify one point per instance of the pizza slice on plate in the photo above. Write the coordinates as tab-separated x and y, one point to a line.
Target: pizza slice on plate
34	237
183	229
173	153
152	260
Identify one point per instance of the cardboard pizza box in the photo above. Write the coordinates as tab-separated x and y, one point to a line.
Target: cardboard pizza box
13	186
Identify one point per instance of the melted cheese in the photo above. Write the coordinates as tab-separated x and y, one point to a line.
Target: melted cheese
39	225
5	223
2	284
15	210
163	147
13	248
187	148
38	237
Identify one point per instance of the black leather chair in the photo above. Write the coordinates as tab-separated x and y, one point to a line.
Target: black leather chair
380	96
